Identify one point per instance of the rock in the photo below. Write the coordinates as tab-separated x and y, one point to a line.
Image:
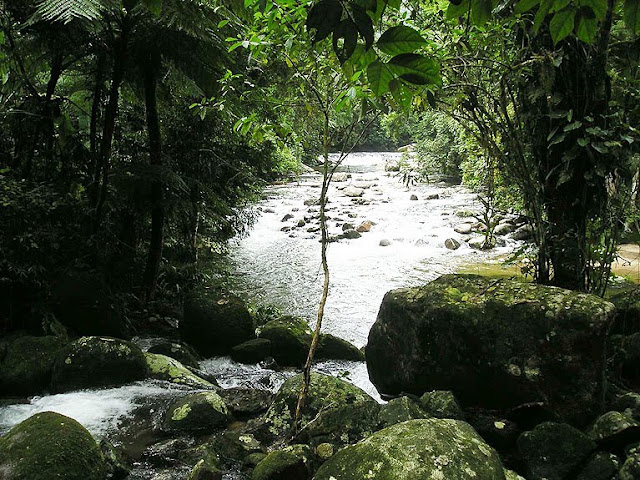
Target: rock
47	446
203	471
115	463
233	447
441	404
432	196
179	351
384	242
452	244
340	177
214	323
171	370
417	449
407	148
504	228
631	468
269	210
311	201
246	402
97	362
347	226
480	243
552	451
326	394
498	432
465	214
27	364
511	475
463	228
350	235
525	232
335	348
602	466
614	430
495	343
288	216
365	226
202	412
290	463
252	351
290	340
301	223
343	425
324	451
353	192
392	165
168	453
399	410
628	403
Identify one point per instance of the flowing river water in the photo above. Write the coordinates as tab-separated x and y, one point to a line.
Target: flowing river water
278	263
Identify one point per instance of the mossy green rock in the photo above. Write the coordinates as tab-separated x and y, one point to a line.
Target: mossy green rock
27	365
552	451
343	424
431	449
399	410
325	394
204	471
441	404
179	351
214	323
496	343
615	430
171	370
290	339
252	351
290	463
335	348
631	468
202	412
50	446
97	362
628	403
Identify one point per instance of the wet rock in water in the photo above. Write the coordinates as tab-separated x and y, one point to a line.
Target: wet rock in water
463	228
233	447
290	463
252	351
326	394
269	210
301	223
347	226
481	243
288	216
47	446
27	364
384	242
614	430
452	244
504	228
246	402
365	226
353	192
392	165
290	339
340	177
399	410
179	351
552	451
168	453
441	404
335	348
204	471
413	197
202	412
525	232
171	370
417	449
496	343
432	196
215	323
350	235
97	362
631	468
602	466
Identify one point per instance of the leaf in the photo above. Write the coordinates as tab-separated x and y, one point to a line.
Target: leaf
394	3
481	11
598	7
400	39
545	6
572	126
559	5
154	6
562	24
557	139
364	24
583	142
348	32
586	26
631	13
525	5
416	69
379	76
324	17
455	11
401	94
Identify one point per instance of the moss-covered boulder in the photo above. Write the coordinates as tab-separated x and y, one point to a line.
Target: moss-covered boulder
552	451
252	351
204	471
335	348
602	466
171	370
496	343
97	362
214	323
326	393
246	402
615	430
290	463
420	450
290	339
47	446
27	364
441	404
233	447
628	403
202	412
631	468
179	351
343	424
400	410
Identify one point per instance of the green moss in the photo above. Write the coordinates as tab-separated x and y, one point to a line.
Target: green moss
49	446
181	412
166	368
290	462
201	412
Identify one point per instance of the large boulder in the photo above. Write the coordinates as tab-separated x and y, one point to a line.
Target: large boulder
202	412
336	348
290	339
180	351
97	362
496	343
290	463
27	364
171	370
252	351
214	323
47	446
420	450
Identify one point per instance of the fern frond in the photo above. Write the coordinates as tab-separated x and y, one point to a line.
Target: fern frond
65	11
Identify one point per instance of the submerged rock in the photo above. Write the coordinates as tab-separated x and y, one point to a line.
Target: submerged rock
495	343
202	412
50	446
171	370
97	362
452	244
419	450
252	351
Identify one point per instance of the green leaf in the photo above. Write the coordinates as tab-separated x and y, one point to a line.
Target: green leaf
586	26
572	126
379	76
632	15
545	6
401	94
460	10
562	24
416	69
400	39
598	7
583	142
324	17
154	6
364	24
525	5
559	5
394	3
481	11
348	32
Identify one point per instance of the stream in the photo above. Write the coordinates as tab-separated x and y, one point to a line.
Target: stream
278	263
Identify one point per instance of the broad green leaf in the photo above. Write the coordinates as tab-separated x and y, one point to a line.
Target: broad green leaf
583	142
572	126
545	6
364	24
481	11
525	5
154	6
586	27
632	15
324	17
416	69
400	39
379	76
394	3
599	7
402	95
559	5
562	24
348	32
460	10
361	57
